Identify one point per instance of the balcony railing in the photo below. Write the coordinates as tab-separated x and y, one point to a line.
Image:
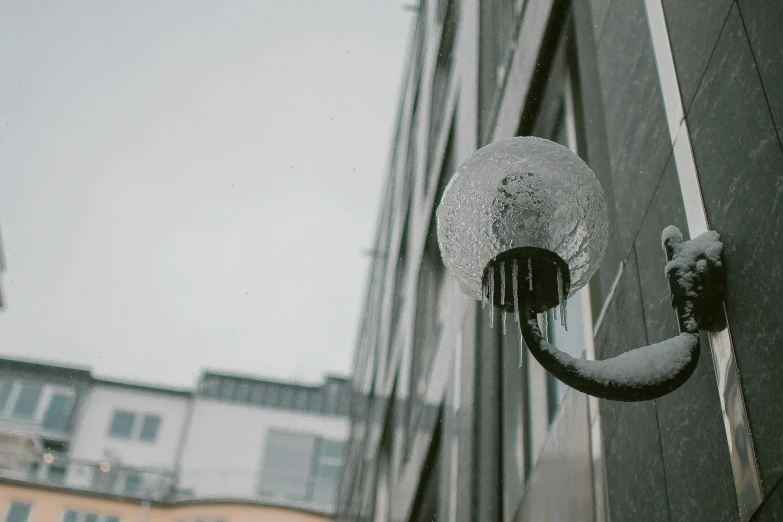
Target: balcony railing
55	469
52	469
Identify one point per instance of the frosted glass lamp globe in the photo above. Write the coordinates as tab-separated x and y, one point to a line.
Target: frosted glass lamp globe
522	192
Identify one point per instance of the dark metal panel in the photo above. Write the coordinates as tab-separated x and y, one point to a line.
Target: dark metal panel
740	164
636	125
621	329
763	20
694	27
634	466
772	509
698	471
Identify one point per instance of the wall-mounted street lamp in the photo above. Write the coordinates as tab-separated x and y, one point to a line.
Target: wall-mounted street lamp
522	226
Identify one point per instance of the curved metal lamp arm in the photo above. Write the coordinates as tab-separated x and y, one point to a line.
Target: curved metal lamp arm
695	275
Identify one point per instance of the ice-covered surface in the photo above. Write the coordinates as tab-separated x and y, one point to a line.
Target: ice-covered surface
651	371
639	374
694	254
690	262
522	192
642	367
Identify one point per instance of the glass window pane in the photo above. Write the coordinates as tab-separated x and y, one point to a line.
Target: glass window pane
90	517
513	417
301	399
18	512
332	448
56	474
5	391
71	516
227	389
325	485
58	413
122	424
111	519
27	401
315	402
272	395
258	394
132	484
244	392
149	428
570	341
288	463
287	400
210	387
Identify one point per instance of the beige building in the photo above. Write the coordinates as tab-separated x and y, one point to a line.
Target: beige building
29	503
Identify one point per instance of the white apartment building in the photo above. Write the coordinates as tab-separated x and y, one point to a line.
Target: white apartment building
279	441
232	438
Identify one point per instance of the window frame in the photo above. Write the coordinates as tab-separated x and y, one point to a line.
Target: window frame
81	516
137	426
115	413
20	502
271	435
553	104
53	392
47	393
144	418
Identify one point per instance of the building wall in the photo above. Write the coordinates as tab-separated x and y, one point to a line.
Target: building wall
72	381
675	448
208	444
49	506
93	442
666	459
224	449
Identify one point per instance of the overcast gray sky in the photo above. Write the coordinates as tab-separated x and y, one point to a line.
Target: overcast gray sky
191	184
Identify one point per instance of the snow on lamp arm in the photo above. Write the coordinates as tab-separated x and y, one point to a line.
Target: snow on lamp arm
522	226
